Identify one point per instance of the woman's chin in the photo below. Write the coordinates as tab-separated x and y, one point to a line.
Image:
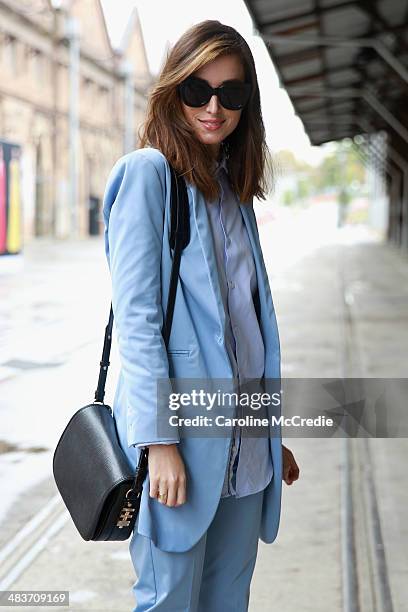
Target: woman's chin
211	139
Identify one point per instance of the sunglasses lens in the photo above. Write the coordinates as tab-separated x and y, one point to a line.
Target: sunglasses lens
195	92
234	96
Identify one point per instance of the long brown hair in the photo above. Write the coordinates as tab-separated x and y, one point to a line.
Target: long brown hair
165	127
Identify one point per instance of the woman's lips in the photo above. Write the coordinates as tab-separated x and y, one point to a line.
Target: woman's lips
211	125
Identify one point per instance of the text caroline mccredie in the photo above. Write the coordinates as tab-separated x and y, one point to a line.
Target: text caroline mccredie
251	421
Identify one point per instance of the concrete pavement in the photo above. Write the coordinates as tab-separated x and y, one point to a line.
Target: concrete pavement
56	310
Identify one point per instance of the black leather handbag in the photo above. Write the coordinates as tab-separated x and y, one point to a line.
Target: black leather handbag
93	475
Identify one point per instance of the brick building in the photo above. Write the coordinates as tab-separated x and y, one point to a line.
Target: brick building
70	105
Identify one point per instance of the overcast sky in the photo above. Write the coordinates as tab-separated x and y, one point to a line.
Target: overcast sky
164	21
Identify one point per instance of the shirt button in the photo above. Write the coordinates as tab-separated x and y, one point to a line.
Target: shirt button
231	284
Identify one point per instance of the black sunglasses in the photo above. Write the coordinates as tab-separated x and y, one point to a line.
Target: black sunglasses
196	92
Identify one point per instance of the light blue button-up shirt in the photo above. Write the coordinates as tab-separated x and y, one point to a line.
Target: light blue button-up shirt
250	467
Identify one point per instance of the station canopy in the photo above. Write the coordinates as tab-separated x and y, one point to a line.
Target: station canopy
343	63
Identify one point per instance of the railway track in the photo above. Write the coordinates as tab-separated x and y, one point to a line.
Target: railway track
24	547
365	579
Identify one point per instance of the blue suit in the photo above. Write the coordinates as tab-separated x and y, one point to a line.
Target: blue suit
136	213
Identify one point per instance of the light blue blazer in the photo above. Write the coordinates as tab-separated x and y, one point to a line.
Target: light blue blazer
136	211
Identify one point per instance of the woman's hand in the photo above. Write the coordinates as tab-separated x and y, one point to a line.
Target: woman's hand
167	474
290	471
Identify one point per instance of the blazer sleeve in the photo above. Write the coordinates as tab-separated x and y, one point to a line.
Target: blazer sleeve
133	210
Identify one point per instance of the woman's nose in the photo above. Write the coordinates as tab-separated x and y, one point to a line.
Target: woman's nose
213	104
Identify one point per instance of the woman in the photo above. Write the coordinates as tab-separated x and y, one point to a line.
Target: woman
206	500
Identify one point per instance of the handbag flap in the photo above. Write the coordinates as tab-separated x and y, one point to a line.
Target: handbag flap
88	464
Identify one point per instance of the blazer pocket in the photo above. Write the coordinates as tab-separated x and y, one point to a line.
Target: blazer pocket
185	352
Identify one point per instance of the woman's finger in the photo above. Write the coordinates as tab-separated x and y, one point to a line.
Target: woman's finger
181	492
171	493
162	497
154	487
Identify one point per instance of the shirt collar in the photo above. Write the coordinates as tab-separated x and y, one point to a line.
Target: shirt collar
222	163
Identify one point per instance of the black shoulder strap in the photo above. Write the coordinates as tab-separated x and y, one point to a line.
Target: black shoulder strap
179	238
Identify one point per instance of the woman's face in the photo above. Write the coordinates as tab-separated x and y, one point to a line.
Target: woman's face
221	122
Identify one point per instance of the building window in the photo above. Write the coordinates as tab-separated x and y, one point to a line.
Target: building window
10	53
39	65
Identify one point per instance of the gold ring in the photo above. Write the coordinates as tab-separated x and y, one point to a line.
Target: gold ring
162	495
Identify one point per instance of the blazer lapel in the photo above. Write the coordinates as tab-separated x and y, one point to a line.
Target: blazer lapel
207	246
245	210
267	320
265	298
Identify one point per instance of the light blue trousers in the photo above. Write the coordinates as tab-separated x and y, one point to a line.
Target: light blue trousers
214	575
